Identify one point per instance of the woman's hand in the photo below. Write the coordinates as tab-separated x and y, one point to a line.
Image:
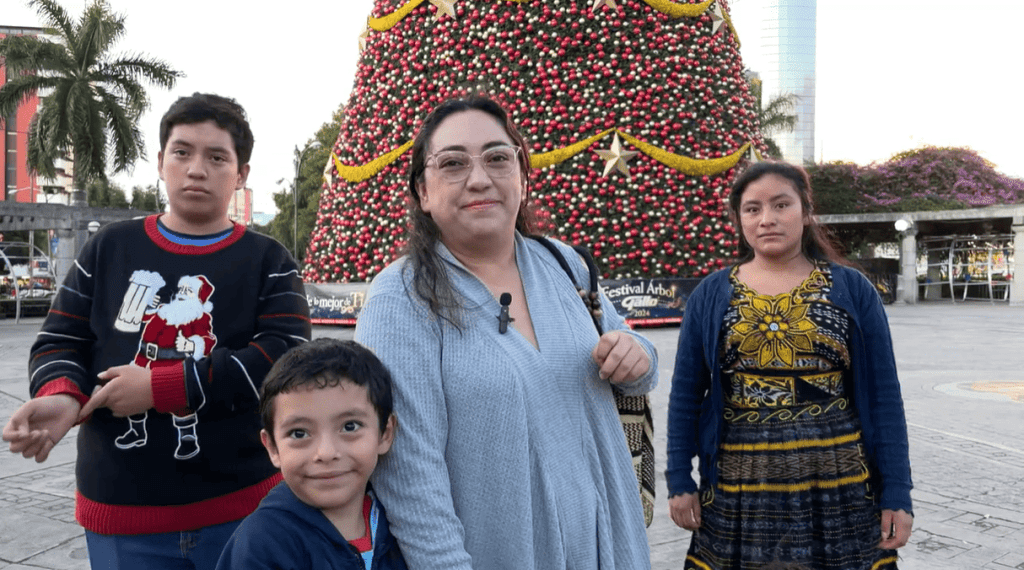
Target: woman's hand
685	510
896	527
621	358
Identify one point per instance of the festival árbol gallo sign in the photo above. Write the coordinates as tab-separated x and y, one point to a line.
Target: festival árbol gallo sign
641	301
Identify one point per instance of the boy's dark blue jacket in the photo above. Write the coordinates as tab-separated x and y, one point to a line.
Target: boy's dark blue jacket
284	533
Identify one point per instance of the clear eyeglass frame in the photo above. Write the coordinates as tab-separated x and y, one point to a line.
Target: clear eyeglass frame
455	165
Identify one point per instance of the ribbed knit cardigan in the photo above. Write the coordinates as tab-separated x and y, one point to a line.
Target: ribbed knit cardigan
506	456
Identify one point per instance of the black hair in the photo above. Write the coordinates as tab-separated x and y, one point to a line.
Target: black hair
816	243
202	107
324	363
430	281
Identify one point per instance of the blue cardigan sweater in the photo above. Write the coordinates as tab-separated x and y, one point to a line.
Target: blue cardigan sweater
696	405
506	456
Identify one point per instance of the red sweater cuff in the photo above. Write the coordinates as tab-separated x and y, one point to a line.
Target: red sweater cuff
63	386
168	383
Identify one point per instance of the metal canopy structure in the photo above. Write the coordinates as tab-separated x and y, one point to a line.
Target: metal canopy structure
958	240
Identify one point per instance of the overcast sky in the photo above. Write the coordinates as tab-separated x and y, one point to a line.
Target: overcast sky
891	74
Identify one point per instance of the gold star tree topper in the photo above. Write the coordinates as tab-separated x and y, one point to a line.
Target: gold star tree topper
444	7
364	36
717	18
616	157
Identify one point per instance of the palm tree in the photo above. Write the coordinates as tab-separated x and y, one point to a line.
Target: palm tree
94	101
774	117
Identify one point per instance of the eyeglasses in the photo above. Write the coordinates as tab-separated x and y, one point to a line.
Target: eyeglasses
455	165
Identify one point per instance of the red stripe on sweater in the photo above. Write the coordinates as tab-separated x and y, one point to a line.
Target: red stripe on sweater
263	352
131	519
49	352
158	238
63	385
69	315
168	386
285	316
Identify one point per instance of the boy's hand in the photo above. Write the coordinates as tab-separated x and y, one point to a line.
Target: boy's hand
37	426
126	390
621	358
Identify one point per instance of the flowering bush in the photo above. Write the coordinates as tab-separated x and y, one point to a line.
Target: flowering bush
929	178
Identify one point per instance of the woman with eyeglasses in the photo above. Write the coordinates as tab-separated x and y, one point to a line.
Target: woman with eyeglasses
510	452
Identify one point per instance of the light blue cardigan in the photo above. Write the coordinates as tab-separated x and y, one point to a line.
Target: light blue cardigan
506	456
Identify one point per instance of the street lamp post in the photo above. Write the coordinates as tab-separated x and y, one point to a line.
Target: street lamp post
295	196
16	190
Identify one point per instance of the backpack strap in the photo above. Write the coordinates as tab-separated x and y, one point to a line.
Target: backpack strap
634	411
590	296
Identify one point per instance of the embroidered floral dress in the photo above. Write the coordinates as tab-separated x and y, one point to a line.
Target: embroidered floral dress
792	476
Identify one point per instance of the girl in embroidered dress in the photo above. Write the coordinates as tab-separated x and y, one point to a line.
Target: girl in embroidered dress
785	385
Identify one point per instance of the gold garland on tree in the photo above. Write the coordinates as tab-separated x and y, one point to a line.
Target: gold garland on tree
683	164
678	162
667	7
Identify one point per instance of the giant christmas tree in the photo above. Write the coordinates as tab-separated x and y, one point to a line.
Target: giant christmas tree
636	113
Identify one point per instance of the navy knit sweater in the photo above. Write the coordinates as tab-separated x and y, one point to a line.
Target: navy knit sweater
209	322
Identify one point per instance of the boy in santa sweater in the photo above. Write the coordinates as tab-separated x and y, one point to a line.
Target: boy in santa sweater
158	342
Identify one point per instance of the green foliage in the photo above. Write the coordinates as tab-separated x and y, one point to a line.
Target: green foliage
311	181
837	186
924	179
94	101
775	117
105	194
147	199
41	237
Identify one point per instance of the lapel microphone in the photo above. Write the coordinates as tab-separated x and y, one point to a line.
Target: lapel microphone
503	318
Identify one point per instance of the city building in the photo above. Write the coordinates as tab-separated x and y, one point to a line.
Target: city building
20	184
262	218
787	49
240	207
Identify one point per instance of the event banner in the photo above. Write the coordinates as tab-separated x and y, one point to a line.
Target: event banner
646	302
335	303
649	302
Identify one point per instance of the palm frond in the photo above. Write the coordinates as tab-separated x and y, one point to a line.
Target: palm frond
96	100
44	142
19	90
55	18
99	31
138	67
27	54
127	143
776	116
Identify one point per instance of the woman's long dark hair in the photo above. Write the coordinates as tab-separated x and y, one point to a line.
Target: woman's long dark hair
816	243
430	279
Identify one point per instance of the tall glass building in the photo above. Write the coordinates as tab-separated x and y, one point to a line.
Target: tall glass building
787	45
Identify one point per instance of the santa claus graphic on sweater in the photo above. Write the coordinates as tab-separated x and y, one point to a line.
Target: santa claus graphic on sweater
179	329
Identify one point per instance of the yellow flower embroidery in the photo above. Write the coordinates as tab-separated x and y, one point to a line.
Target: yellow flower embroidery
773	329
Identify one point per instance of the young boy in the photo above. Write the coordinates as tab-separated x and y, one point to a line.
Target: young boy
158	341
326	410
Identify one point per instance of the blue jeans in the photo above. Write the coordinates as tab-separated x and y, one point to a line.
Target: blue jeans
190	550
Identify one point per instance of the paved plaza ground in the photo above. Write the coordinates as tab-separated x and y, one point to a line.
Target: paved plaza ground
963	385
